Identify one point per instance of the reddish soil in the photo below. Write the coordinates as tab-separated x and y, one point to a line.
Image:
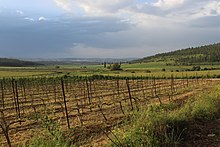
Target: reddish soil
203	133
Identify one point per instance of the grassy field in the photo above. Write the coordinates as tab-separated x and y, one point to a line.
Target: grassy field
157	69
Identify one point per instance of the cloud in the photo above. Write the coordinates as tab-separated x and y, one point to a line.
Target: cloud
206	22
42	18
81	50
167	4
65	4
55	38
117	28
19	12
93	7
29	18
170	9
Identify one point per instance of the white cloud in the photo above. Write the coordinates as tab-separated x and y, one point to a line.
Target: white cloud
19	12
42	18
94	7
29	18
65	4
160	25
210	9
167	4
125	9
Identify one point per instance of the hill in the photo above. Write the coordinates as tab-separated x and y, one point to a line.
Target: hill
17	63
198	55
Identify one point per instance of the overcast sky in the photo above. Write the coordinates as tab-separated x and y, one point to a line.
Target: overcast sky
101	28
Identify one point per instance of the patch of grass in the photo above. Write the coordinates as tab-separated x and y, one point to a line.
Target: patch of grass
47	140
166	125
52	135
206	106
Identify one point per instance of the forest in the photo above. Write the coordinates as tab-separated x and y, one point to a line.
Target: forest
202	54
17	63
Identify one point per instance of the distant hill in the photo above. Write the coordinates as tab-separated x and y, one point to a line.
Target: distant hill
17	63
202	54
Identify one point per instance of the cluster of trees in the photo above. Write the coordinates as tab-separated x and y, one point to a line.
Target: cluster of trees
206	53
194	68
17	63
113	66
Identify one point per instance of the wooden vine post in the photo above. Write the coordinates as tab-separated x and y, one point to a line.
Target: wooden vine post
64	100
171	86
17	100
187	80
2	94
14	95
55	91
155	86
88	91
24	90
129	93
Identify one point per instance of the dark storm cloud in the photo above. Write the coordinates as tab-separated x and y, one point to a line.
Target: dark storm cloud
21	37
206	22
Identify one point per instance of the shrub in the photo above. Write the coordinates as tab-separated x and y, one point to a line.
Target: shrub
148	71
196	68
116	66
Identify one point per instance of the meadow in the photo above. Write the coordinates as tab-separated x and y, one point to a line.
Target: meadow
151	69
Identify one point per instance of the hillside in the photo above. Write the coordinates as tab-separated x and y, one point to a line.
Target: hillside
202	54
17	63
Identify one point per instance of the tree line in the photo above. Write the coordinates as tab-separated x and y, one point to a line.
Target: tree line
206	53
17	63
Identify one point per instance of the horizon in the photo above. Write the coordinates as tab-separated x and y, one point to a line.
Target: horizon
102	29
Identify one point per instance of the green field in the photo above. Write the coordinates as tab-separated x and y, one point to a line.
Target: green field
144	69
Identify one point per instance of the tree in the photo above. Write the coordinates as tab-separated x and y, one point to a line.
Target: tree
116	66
196	68
104	64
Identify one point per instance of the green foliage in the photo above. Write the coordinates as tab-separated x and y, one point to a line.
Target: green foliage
196	68
116	66
207	107
16	62
48	140
202	54
152	127
52	137
166	125
57	67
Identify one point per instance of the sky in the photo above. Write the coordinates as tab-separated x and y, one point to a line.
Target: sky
105	29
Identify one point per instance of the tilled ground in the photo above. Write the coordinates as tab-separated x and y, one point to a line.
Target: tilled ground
98	122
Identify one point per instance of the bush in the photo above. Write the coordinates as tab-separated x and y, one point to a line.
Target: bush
148	71
196	68
116	66
163	69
